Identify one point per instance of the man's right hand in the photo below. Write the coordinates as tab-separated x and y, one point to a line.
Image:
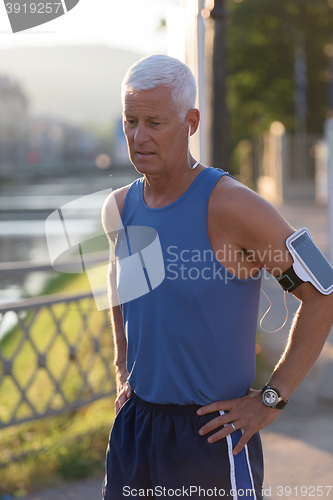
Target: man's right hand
124	394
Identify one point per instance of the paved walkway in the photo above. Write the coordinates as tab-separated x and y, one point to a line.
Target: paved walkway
298	446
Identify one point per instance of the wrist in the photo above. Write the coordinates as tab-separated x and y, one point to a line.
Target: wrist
119	364
271	398
120	368
284	392
121	379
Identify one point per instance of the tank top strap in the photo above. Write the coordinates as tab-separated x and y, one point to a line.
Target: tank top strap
206	181
197	193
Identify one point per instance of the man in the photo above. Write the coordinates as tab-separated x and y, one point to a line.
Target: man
187	419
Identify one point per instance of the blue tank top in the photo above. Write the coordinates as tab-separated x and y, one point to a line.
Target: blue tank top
191	335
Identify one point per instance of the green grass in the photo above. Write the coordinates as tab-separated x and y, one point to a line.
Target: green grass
70	446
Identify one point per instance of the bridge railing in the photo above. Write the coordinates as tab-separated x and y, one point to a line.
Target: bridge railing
56	354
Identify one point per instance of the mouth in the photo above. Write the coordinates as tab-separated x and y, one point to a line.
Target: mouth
144	153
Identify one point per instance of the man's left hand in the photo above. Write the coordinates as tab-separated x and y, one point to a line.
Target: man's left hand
247	413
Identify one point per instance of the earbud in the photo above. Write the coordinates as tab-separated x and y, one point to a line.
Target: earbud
189	132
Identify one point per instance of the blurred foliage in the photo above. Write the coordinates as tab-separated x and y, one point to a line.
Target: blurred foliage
56	449
260	39
163	24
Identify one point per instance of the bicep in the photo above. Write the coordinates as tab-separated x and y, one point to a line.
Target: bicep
262	232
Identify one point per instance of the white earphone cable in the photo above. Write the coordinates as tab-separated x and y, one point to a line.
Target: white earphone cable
270	307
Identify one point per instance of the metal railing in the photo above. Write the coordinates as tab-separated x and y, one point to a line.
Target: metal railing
56	355
26	267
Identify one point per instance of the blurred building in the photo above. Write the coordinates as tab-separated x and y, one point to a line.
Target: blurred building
61	147
33	146
120	151
13	125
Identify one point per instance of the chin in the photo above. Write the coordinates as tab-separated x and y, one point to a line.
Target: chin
146	168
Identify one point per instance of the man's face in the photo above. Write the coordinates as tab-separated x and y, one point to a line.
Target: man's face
156	138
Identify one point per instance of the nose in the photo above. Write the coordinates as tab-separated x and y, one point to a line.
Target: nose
140	135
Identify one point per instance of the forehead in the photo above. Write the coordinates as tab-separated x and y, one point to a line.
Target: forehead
153	102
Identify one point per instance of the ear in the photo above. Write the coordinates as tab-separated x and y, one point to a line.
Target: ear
192	120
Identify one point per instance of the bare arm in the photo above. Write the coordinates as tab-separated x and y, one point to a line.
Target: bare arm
257	226
312	324
306	340
111	221
124	391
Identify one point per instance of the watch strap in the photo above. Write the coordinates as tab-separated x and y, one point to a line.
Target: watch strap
289	280
281	404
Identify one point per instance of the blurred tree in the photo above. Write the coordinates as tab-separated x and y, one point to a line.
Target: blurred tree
260	46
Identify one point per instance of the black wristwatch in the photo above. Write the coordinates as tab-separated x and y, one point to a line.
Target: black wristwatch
271	398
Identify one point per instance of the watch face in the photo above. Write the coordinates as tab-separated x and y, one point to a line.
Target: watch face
270	397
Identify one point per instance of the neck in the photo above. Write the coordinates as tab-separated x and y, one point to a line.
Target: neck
162	189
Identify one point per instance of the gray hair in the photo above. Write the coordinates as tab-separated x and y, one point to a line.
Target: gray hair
154	71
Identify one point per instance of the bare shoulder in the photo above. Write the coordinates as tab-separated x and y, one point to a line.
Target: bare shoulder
241	207
234	196
112	209
118	196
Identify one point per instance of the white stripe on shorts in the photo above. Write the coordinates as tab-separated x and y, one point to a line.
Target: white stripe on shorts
232	465
249	467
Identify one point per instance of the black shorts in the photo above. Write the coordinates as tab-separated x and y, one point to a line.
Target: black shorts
155	451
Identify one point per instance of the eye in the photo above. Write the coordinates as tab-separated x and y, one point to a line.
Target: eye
155	123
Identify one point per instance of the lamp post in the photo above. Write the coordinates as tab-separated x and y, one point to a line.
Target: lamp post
329	142
220	136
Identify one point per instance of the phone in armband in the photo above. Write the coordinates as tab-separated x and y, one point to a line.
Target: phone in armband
310	264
